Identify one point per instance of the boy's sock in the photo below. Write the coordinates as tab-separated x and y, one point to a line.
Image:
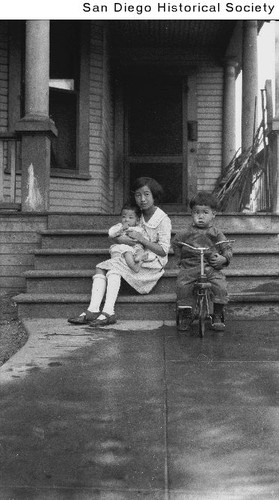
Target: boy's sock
113	286
98	292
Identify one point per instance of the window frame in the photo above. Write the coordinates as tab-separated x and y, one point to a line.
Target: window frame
82	125
16	95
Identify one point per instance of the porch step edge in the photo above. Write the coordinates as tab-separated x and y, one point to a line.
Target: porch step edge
66	232
152	298
84	273
67	298
97	251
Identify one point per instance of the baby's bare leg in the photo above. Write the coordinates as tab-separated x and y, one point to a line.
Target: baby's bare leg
129	257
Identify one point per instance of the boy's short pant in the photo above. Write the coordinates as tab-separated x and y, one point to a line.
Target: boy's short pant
186	281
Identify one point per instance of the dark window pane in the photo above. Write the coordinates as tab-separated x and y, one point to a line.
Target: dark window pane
62	108
64	43
155	118
169	175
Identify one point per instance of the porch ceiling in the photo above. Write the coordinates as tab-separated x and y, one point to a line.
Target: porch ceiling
191	34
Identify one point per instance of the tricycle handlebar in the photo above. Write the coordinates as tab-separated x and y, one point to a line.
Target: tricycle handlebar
203	249
200	249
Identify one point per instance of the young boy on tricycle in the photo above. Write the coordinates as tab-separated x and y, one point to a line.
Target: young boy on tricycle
202	233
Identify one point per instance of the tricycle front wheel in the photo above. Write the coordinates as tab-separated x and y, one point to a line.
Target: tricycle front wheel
202	316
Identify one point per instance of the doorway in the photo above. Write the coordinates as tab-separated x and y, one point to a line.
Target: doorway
155	133
155	127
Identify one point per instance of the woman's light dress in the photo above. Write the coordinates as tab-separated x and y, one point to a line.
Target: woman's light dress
158	230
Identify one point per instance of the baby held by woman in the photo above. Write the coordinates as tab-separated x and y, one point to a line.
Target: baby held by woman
133	255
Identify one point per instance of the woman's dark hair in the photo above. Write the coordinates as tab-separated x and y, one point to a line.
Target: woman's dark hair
132	206
154	186
204	198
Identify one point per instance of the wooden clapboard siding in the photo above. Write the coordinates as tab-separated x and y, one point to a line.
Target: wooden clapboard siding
3	76
107	131
18	239
4	72
14	283
209	113
100	166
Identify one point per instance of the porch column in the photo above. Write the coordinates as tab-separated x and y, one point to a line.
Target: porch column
36	128
249	81
229	112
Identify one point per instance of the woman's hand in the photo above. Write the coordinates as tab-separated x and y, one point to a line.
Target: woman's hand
135	236
123	239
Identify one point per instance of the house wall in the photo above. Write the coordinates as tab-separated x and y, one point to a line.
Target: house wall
96	194
4	76
18	238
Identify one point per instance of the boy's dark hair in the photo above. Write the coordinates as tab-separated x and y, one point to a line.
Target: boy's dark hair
132	206
204	198
154	186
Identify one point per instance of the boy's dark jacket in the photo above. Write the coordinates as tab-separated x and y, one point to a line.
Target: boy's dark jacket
199	237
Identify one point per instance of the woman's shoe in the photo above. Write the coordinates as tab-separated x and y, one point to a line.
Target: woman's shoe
84	319
109	319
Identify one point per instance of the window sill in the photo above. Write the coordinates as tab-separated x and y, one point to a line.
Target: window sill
66	174
69	174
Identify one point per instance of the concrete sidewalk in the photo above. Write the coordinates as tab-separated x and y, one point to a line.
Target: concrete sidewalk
141	413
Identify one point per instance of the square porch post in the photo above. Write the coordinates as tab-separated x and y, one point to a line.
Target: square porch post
36	128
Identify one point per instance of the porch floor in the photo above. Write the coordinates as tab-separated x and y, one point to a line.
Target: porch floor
129	413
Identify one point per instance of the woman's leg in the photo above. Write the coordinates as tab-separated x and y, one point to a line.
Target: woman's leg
97	294
113	286
98	290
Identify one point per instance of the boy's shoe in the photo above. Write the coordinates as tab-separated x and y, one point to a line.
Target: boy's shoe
217	322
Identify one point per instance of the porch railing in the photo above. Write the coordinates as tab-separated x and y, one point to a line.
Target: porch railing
9	163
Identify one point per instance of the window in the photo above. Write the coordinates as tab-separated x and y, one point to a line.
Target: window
68	90
63	92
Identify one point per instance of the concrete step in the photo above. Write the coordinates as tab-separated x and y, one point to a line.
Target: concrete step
64	258
158	306
98	238
80	281
73	238
227	221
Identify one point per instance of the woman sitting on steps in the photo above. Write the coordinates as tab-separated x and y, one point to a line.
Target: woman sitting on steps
107	278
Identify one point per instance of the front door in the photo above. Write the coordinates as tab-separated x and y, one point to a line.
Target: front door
156	134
